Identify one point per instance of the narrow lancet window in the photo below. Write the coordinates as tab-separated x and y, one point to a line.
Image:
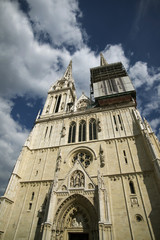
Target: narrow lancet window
50	132
115	122
82	131
46	131
58	103
92	129
120	122
32	197
72	132
125	157
30	206
132	189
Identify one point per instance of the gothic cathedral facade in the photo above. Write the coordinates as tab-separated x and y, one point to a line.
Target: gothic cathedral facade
90	168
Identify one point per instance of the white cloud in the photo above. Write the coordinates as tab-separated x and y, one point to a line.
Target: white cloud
152	105
142	74
26	66
59	19
115	53
12	138
155	124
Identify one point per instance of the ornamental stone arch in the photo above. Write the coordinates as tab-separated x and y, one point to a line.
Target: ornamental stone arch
76	215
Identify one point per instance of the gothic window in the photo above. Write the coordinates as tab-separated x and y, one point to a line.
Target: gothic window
84	157
132	189
50	132
112	86
77	179
30	206
120	122
115	122
58	103
46	131
92	129
72	132
82	131
32	197
125	157
120	85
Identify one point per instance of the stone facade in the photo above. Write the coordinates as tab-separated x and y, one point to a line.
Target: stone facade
86	172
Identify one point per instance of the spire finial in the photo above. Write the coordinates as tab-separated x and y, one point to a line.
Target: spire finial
68	72
103	61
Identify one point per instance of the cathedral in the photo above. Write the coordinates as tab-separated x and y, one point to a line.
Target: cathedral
90	168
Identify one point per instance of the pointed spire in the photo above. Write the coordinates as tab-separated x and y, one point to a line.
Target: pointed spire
103	61
68	72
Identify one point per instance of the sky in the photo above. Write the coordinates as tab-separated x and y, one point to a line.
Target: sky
39	38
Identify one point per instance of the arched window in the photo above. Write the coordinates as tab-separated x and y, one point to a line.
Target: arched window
58	103
32	197
46	132
72	132
92	129
82	131
132	189
50	131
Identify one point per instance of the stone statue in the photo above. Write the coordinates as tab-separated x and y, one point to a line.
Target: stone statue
77	179
102	159
59	159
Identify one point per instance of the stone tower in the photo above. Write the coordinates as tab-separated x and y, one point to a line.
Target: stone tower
90	168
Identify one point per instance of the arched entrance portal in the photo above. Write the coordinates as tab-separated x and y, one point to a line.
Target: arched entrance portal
76	219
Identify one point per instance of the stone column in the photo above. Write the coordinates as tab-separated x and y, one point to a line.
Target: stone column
104	215
47	226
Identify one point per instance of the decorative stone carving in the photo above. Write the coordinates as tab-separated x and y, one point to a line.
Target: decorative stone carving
63	132
90	186
62	106
101	155
77	219
77	179
47	109
134	201
98	126
82	104
64	188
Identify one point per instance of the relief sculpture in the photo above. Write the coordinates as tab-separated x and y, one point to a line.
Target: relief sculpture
77	179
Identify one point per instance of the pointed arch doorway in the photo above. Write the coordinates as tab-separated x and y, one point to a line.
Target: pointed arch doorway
76	219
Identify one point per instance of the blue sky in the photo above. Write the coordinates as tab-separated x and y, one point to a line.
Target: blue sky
38	39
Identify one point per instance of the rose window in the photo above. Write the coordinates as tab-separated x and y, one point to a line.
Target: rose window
84	157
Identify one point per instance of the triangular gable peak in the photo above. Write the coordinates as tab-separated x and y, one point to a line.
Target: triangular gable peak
77	178
83	102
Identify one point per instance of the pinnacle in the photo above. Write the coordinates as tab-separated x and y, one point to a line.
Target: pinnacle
103	61
68	72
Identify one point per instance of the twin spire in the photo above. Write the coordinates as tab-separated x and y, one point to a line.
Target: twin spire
68	73
103	61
